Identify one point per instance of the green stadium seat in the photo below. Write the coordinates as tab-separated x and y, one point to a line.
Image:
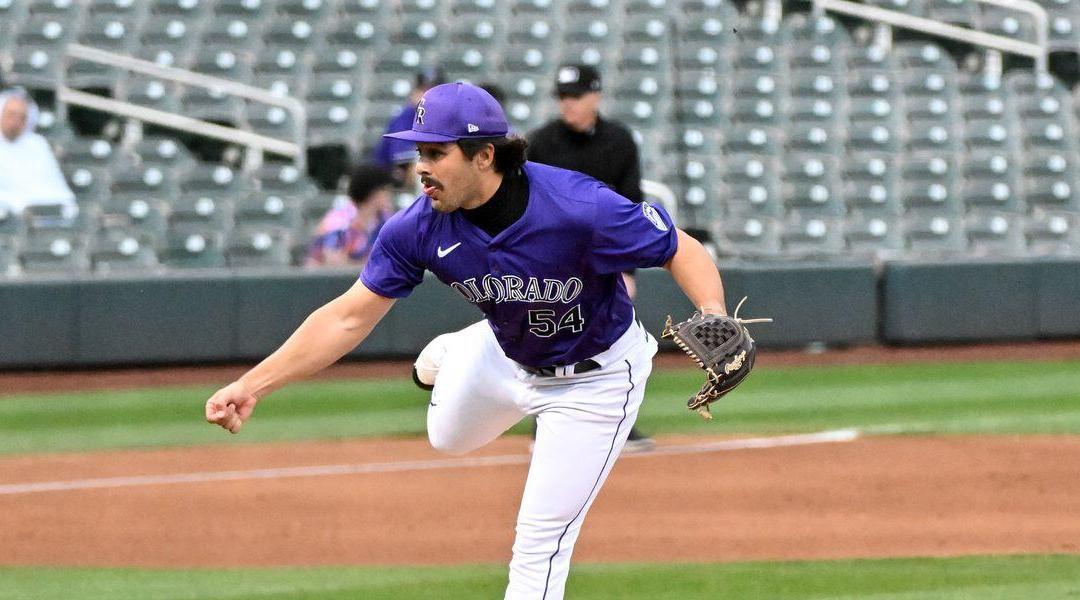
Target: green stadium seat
193	250
123	250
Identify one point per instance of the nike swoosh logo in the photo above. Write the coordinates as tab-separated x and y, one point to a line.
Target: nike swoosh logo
443	253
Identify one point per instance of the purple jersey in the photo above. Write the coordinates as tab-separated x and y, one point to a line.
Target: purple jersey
551	283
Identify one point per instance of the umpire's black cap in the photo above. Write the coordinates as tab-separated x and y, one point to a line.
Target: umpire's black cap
577	80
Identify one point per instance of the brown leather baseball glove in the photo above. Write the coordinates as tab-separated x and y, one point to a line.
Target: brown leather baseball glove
719	344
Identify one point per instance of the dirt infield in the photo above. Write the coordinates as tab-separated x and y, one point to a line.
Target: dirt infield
868	497
397	502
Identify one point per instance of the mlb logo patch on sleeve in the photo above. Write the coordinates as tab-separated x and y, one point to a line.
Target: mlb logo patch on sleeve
653	216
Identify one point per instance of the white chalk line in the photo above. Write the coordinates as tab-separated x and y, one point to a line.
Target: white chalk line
823	437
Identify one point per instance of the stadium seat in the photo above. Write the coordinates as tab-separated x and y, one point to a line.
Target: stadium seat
801	27
991	179
150	180
868	136
753	185
813	137
465	62
651	29
872	85
193	249
929	109
873	57
308	9
934	235
932	135
1008	23
994	234
1052	192
811	185
701	56
816	84
872	109
929	182
88	152
1048	134
54	251
208	178
123	250
644	58
267	211
475	7
874	236
285	179
167	40
701	85
754	84
813	237
955	12
254	247
759	30
356	33
990	193
752	139
199	212
757	111
749	237
134	212
1052	233
243	8
989	134
291	31
817	57
90	185
757	57
419	32
813	111
1051	163
184	8
651	8
924	55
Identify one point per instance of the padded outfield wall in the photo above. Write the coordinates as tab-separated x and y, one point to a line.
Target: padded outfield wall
224	316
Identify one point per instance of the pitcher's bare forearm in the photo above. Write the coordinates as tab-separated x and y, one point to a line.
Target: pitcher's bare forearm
325	336
697	276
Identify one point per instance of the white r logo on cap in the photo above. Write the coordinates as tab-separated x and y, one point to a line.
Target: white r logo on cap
420	111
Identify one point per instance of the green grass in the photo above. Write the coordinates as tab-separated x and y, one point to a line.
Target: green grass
967	578
1025	397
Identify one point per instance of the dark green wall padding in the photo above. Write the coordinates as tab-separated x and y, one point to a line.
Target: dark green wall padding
221	316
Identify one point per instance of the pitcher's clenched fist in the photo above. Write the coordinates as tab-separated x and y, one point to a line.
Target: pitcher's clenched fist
230	406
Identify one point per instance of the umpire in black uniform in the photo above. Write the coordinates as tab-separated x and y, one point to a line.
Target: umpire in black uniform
581	140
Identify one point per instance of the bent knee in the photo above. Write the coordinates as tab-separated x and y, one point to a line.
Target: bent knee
454	445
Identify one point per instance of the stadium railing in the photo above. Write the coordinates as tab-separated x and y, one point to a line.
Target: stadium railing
256	144
1038	49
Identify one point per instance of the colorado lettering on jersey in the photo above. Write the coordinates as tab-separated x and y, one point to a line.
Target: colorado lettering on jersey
512	288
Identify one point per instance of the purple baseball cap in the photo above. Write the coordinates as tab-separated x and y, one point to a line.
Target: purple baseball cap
454	111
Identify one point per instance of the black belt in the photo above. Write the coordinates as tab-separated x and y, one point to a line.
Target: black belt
576	369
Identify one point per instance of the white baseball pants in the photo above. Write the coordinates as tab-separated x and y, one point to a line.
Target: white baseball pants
582	422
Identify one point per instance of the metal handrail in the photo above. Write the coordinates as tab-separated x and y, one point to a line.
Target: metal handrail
1038	50
295	150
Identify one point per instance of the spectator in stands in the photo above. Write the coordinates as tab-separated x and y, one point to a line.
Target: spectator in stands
345	235
29	173
581	140
399	156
